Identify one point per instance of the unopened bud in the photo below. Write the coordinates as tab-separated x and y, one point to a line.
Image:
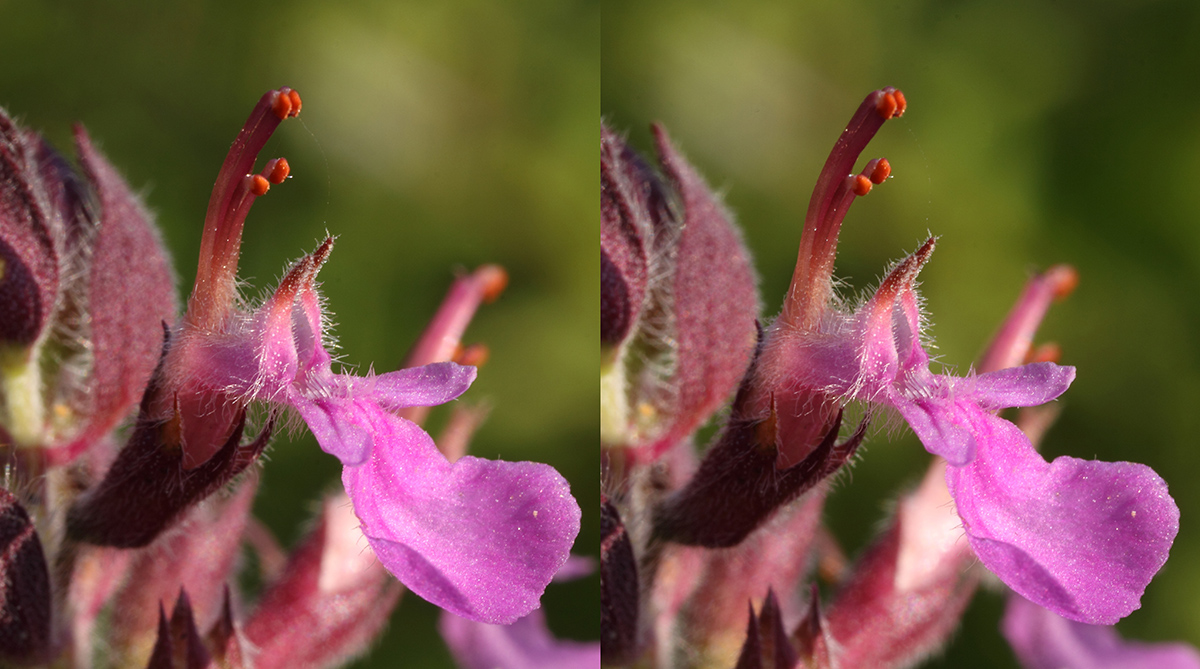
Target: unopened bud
618	590
24	586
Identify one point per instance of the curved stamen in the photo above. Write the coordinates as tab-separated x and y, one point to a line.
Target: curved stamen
831	198
441	337
214	290
1011	344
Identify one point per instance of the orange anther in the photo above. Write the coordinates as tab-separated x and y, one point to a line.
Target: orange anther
901	104
282	105
493	279
886	105
474	355
278	170
881	171
259	185
1048	352
861	186
295	99
1063	279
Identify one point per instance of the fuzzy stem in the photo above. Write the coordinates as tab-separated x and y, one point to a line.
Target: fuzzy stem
21	381
614	405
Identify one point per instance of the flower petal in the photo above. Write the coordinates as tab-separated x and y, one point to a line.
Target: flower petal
526	643
344	427
1081	538
946	412
945	427
424	386
479	538
1044	640
1024	386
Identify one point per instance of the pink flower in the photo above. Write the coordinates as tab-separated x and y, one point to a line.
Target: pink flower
1043	640
477	537
527	643
1081	538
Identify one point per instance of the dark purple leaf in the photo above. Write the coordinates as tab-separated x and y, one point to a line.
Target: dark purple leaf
738	485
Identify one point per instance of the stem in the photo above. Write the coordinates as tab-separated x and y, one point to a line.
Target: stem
21	382
614	405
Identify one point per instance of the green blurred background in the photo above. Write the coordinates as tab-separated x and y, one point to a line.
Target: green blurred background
434	137
1037	133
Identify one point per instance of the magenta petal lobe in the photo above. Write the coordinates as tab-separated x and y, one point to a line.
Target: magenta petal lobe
1081	538
479	538
1024	386
424	386
344	427
526	643
946	428
1043	640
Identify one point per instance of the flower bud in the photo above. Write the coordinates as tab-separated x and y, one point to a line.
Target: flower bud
332	599
769	560
32	239
198	558
633	205
81	268
24	586
179	645
618	589
679	300
767	644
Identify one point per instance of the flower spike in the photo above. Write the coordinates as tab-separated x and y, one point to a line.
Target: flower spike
88	327
1079	540
477	537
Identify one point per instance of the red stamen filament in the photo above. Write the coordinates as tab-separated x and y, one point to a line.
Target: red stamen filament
214	292
831	198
